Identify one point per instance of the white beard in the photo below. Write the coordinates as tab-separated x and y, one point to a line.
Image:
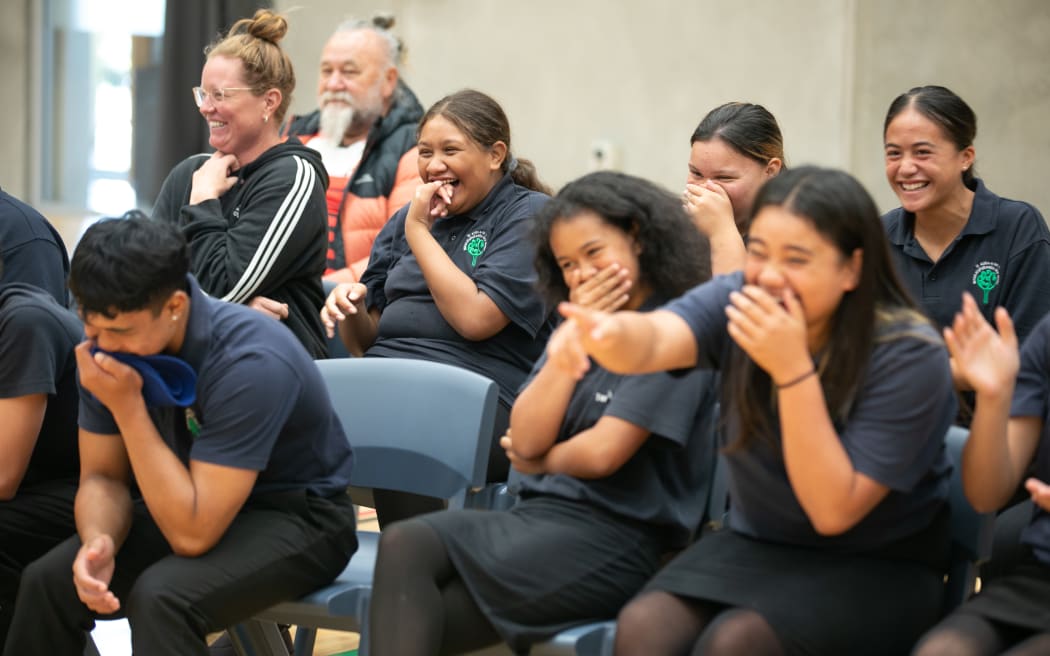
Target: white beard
335	119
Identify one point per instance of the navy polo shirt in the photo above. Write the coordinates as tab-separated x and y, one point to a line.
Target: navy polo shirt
492	245
32	250
894	433
1032	399
666	482
37	338
1002	257
261	403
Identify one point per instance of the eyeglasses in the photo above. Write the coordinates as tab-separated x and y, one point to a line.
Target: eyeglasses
218	96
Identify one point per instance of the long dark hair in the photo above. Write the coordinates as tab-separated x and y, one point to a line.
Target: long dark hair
840	209
674	255
947	110
749	129
483	121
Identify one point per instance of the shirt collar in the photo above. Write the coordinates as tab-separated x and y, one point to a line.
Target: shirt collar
197	340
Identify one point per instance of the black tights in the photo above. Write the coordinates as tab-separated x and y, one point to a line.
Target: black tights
419	603
963	634
663	623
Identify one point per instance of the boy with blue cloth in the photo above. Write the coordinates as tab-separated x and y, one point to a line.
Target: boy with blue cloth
213	468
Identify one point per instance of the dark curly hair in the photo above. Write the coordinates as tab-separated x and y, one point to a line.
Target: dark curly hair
674	256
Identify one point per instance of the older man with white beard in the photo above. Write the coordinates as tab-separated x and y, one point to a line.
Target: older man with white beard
365	130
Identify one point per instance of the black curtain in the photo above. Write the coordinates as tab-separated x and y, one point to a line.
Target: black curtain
176	130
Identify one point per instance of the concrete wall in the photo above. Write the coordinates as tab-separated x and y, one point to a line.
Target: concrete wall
996	55
14	83
641	75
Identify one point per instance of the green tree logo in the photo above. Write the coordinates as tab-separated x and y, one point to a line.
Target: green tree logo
986	281
475	247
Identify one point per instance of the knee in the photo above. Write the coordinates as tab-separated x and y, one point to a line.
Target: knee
739	631
943	643
153	596
642	627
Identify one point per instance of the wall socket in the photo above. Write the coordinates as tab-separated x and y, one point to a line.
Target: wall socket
604	155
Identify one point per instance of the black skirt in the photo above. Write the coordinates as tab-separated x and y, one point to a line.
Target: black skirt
1019	598
818	602
548	564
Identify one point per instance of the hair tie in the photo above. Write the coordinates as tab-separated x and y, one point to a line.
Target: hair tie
512	164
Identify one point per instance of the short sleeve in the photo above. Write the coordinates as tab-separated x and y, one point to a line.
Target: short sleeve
505	271
1031	390
243	410
663	404
33	346
902	410
703	309
382	257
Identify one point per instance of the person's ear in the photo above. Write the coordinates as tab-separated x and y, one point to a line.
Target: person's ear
497	154
773	167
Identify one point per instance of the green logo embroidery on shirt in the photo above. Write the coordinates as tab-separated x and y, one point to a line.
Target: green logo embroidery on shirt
192	424
475	246
986	278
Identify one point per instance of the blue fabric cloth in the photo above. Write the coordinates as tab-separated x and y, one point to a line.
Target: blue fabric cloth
166	380
261	403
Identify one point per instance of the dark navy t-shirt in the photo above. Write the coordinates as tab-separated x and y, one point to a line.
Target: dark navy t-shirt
1002	257
491	244
32	250
894	433
666	482
37	338
261	403
1032	399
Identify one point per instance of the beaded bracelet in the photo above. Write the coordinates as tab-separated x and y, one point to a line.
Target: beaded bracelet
796	381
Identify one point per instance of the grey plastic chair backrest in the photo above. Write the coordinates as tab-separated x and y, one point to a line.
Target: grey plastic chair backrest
415	426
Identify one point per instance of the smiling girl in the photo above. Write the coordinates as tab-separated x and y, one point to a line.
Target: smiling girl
951	234
837	395
450	278
615	469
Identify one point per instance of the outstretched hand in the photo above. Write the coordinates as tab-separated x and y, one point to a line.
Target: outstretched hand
92	573
346	299
985	359
591	332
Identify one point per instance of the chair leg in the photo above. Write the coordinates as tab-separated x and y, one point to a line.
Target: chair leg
305	637
257	638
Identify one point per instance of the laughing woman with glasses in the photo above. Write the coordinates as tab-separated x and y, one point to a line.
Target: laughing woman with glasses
253	211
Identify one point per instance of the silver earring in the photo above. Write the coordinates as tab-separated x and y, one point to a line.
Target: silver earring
174	317
266	118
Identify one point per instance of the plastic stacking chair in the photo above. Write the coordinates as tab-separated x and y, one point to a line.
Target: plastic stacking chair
415	426
971	531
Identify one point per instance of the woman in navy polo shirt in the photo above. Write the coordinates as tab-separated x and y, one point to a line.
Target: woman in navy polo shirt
615	469
450	277
951	234
1009	436
836	396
